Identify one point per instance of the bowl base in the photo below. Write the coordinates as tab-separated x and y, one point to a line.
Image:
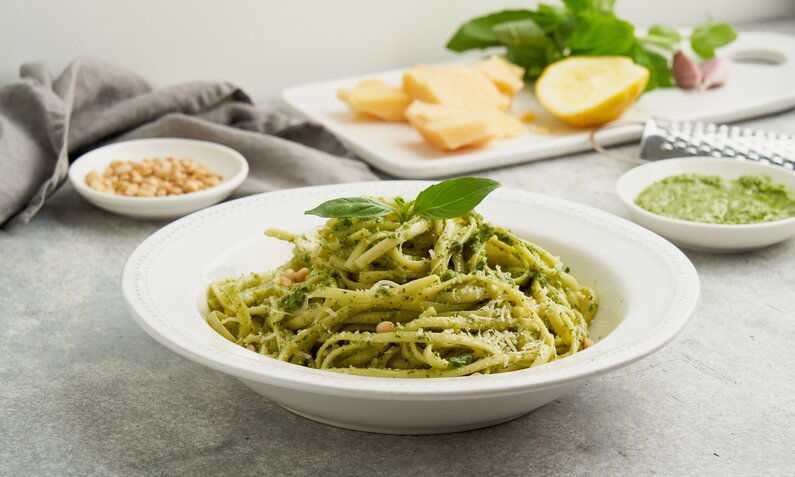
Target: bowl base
719	250
416	431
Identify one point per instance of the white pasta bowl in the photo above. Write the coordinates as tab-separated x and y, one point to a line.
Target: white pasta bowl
697	235
227	162
647	290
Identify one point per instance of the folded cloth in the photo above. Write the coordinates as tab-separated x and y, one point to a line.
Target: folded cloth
45	122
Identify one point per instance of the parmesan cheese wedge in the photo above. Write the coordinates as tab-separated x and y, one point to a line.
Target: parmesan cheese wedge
506	76
450	106
377	98
454	86
449	128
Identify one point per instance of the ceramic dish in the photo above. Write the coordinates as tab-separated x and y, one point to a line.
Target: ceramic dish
696	235
220	159
397	149
647	289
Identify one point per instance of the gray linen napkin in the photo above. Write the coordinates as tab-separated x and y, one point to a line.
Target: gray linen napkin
44	122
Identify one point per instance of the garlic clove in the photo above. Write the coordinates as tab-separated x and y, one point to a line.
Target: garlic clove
686	72
713	74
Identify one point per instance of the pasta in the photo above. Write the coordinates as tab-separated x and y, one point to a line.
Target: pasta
424	298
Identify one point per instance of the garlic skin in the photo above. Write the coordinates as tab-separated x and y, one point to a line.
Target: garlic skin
686	72
713	74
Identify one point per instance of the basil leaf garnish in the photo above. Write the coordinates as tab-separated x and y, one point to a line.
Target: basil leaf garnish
446	200
351	207
453	198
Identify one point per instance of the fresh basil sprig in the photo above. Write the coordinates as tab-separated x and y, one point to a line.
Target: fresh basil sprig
453	198
709	36
536	38
351	207
446	200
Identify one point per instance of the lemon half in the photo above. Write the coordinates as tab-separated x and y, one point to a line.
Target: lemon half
592	90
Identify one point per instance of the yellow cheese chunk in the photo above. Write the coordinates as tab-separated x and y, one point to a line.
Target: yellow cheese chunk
378	99
508	77
455	86
448	127
507	125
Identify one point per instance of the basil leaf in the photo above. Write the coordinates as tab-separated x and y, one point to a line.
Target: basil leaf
597	34
533	60
710	36
459	361
453	198
605	6
549	17
479	32
666	32
351	207
659	70
520	34
583	6
534	43
558	23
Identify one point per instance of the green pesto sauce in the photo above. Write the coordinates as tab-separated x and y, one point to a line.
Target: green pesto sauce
713	200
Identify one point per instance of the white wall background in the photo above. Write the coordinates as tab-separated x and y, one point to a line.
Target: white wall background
267	45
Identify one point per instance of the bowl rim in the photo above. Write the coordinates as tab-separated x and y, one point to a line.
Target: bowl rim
285	375
630	175
227	184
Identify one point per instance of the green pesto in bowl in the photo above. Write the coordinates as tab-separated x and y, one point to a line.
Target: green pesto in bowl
710	199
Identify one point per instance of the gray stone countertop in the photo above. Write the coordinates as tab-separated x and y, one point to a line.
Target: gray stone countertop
84	391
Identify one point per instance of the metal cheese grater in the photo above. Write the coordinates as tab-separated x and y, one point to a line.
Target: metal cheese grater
666	139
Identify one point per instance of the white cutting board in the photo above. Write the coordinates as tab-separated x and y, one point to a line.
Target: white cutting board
753	88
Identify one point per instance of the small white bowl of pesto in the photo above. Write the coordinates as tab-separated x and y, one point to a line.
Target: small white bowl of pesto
709	204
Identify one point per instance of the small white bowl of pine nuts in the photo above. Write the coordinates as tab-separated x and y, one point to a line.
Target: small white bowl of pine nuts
158	178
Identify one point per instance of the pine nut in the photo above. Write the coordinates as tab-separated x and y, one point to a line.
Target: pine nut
92	176
153	177
300	275
385	327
